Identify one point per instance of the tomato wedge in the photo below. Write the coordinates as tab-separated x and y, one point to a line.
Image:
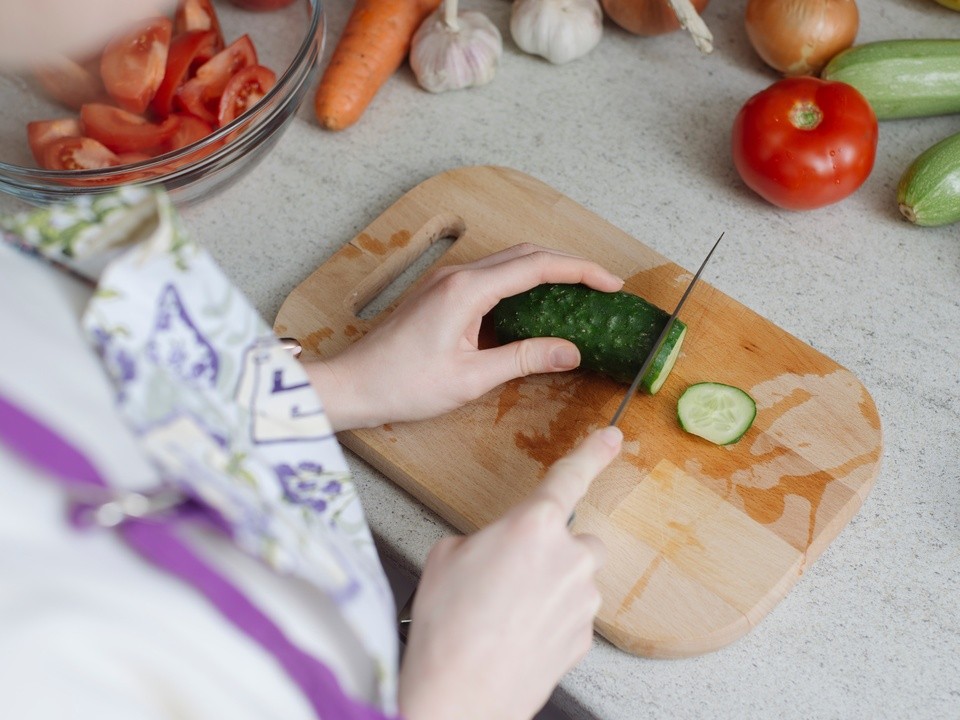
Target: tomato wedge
70	83
187	52
77	153
244	90
189	130
123	131
197	15
41	133
164	85
200	95
133	65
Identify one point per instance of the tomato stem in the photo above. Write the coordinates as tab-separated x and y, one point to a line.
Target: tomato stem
805	116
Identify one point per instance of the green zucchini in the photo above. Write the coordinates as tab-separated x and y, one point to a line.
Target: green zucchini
929	190
902	78
613	331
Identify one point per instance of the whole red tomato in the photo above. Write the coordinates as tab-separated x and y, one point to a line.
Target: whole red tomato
804	142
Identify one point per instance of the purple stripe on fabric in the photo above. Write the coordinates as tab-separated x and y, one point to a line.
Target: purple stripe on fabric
44	448
157	541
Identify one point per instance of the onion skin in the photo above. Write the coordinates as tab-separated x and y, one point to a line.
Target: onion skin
646	17
799	37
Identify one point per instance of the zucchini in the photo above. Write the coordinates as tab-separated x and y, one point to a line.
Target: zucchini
716	412
902	78
613	331
929	190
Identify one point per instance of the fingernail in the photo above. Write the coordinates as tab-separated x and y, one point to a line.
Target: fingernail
564	357
612	436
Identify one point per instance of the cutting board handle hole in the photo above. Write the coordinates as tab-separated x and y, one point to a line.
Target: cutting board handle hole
392	279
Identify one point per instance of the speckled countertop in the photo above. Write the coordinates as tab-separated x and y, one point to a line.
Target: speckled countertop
637	131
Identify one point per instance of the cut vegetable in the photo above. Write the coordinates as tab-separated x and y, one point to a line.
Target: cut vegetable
716	412
613	331
159	77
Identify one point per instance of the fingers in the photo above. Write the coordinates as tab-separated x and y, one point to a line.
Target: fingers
521	267
511	253
497	365
541	266
568	479
595	547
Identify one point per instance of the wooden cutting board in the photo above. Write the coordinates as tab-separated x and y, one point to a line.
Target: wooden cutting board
702	540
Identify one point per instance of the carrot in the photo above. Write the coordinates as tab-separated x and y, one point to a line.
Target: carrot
374	43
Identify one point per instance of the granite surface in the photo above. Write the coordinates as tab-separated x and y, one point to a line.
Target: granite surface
638	132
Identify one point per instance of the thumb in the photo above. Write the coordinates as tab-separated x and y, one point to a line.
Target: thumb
528	357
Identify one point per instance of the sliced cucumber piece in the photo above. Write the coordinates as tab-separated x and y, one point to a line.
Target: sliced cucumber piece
716	412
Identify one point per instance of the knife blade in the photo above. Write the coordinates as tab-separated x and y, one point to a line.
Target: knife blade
648	361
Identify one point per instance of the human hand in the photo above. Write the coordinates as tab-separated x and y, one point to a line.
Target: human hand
500	616
424	359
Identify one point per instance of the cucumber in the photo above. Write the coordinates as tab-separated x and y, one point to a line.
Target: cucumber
613	331
902	78
929	190
716	412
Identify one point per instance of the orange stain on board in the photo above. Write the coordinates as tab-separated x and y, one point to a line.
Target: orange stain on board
350	251
768	505
682	537
509	397
581	399
351	331
314	339
371	244
640	586
400	239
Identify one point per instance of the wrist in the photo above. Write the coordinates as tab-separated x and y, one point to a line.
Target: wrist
342	402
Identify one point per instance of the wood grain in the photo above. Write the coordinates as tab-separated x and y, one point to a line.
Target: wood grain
703	540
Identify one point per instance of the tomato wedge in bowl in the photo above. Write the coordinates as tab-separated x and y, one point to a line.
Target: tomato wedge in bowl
200	95
123	131
191	165
133	64
41	133
243	91
77	153
187	52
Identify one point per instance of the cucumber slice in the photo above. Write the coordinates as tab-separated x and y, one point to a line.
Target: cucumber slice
716	412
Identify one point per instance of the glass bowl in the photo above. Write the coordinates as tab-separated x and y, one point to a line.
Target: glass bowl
289	41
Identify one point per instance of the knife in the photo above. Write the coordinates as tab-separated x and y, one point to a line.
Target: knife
663	335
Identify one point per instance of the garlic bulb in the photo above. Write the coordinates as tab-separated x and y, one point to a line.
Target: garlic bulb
559	30
450	51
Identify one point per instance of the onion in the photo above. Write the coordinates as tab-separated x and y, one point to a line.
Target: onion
798	37
657	17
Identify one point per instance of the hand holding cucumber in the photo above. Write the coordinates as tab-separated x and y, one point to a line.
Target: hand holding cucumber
424	359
